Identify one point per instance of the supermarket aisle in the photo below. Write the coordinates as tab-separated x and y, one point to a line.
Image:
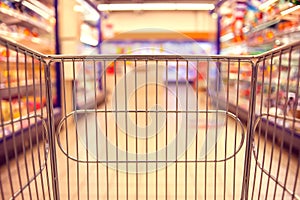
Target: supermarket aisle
185	178
84	142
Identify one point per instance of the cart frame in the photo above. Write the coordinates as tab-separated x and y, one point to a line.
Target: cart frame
53	129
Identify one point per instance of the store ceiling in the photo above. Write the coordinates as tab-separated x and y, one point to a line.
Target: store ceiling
117	5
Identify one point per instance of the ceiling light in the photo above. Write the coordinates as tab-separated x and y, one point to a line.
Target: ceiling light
290	10
90	13
50	11
266	4
38	10
78	8
155	6
227	37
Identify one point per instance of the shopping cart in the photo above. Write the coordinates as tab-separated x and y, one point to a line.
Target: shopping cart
170	126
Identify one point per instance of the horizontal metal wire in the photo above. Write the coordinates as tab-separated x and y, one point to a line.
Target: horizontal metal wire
229	114
54	58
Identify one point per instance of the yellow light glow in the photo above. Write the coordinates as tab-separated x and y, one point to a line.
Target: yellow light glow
155	6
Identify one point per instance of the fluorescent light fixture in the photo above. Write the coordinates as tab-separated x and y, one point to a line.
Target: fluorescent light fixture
155	6
36	40
78	8
36	9
290	10
50	11
90	13
88	35
88	40
266	4
214	15
227	37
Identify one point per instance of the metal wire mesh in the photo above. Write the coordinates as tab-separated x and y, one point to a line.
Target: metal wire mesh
153	126
276	144
24	128
157	135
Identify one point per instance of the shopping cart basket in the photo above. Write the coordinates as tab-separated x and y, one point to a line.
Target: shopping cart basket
149	126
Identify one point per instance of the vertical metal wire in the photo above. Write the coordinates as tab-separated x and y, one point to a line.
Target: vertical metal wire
197	118
37	142
13	128
22	128
186	125
167	91
31	132
63	78
296	176
1	186
106	129
266	134
235	127
6	157
281	143
27	114
156	127
43	131
218	82
176	129
206	127
259	130
284	123
146	110
51	133
4	137
126	126
20	112
96	124
74	97
267	127
226	126
86	129
136	131
116	128
297	100
45	138
250	131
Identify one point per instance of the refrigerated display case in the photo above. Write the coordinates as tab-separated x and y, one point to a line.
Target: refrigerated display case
265	26
22	85
90	39
163	47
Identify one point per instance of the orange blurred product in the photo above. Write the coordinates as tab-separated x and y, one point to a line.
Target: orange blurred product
5	115
270	34
27	32
35	33
260	39
238	30
5	53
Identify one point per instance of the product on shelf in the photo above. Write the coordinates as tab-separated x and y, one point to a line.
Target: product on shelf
17	108
295	2
263	26
5	114
18	22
